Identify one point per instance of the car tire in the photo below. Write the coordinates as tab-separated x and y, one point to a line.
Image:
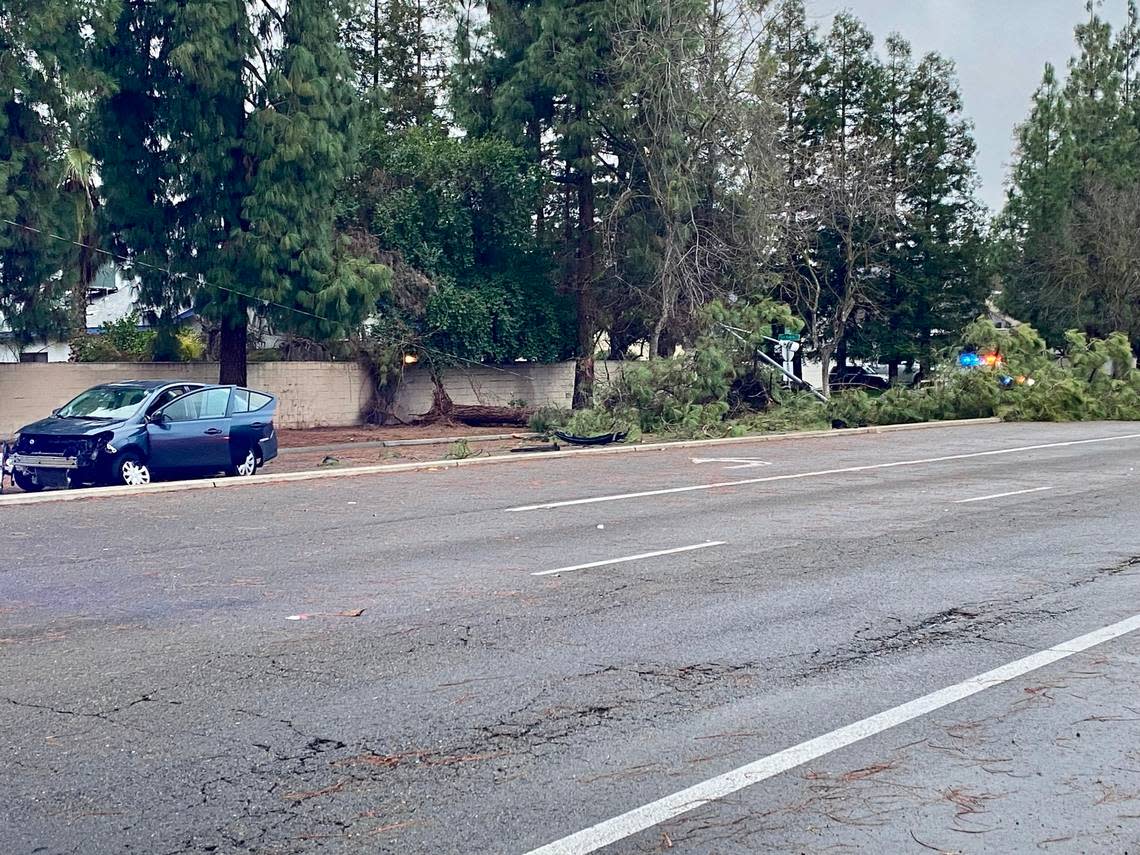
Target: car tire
247	465
130	470
26	482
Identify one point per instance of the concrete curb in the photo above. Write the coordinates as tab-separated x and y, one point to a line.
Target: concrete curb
381	469
401	443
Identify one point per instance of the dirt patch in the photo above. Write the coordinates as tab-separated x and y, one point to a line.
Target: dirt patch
371	433
304	461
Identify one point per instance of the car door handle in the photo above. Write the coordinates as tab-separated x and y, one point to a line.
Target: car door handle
214	432
257	424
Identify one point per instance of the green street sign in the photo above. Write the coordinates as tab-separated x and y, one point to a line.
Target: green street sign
789	336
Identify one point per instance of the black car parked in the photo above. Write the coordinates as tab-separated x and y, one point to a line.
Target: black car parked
133	432
856	377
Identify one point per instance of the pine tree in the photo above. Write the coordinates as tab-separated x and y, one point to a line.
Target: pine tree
796	56
945	285
842	213
889	335
396	48
1079	148
541	84
223	146
301	140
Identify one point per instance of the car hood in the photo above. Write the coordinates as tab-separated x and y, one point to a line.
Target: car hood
56	426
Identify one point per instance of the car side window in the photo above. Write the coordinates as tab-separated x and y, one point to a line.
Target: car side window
241	401
165	398
186	409
217	401
246	401
206	404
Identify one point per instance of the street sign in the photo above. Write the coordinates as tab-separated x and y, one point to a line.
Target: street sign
788	348
789	336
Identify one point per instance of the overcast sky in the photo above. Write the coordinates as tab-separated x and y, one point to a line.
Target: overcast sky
1001	47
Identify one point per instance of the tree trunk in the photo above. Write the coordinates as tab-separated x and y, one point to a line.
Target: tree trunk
534	132
892	370
825	367
77	319
233	350
655	336
444	410
584	278
584	363
925	352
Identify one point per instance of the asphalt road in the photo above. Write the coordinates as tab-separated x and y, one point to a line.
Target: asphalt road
794	653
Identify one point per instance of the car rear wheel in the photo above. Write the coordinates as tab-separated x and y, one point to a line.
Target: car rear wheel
130	470
246	465
26	482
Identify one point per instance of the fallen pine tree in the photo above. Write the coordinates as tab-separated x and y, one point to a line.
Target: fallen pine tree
446	411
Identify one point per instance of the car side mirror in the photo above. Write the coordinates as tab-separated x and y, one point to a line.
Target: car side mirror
55	412
158	418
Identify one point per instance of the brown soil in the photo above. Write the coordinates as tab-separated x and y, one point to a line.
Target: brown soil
370	433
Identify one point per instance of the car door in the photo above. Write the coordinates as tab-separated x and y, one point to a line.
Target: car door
251	424
193	432
166	396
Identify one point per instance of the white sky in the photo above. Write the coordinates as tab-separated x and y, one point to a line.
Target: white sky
1001	47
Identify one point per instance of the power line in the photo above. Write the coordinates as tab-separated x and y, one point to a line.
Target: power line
174	274
134	262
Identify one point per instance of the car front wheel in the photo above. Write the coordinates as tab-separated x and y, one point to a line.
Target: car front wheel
130	470
246	465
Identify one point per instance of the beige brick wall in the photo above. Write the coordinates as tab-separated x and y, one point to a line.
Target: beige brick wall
313	394
536	385
310	394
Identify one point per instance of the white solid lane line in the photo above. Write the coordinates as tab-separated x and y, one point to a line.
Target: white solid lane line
1002	495
654	813
610	561
846	469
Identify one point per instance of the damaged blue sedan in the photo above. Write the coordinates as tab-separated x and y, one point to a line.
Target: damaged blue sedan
138	431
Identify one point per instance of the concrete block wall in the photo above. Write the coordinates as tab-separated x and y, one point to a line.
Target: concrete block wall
310	394
534	384
313	394
30	391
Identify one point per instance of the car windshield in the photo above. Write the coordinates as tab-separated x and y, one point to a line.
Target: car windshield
105	402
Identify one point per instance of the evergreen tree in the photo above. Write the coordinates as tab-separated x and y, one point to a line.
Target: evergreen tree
222	148
541	83
840	222
301	141
46	187
396	48
939	258
1079	148
796	55
888	335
